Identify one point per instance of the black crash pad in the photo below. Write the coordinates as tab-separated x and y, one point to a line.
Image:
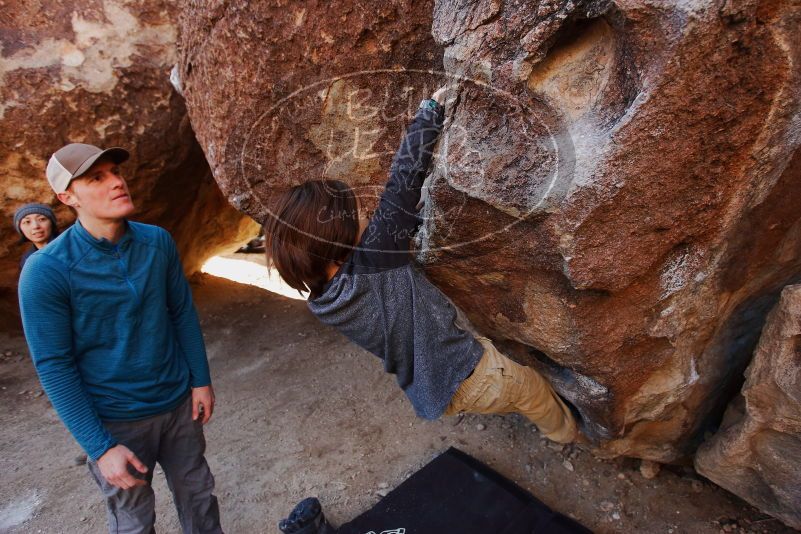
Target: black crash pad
457	494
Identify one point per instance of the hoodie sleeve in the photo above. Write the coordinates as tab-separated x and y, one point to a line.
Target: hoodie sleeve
388	235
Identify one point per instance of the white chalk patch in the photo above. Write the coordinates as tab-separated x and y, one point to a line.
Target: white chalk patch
678	270
17	512
73	58
590	386
694	376
175	80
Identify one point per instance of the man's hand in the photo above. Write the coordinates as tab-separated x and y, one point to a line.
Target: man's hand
114	467
202	401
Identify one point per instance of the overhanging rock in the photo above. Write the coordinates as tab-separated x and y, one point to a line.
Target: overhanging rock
615	195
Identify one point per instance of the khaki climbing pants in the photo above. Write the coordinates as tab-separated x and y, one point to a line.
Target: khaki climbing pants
500	385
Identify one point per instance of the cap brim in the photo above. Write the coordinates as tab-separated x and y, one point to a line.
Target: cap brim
115	154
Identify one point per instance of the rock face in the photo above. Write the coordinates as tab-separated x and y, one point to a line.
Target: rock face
615	194
281	93
757	453
98	72
618	206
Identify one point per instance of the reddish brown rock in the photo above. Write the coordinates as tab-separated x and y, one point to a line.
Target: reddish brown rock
615	197
636	236
757	452
279	93
98	72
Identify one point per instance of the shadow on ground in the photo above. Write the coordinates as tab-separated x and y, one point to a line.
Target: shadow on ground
301	412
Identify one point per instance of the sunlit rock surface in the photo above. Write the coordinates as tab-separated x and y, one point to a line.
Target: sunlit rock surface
98	72
625	195
615	197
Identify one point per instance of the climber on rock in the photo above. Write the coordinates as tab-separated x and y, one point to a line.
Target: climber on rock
362	281
114	336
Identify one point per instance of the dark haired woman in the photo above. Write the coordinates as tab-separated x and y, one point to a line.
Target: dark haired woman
35	223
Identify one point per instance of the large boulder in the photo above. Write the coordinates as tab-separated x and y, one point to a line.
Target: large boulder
757	452
98	72
619	198
615	195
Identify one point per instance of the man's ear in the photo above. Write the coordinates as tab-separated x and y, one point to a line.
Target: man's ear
68	198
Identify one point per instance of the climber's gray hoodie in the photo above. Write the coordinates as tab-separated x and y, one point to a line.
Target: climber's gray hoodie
382	302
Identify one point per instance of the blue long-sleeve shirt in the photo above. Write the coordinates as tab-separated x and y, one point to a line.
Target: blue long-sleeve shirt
111	328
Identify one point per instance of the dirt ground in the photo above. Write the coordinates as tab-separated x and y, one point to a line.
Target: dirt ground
301	411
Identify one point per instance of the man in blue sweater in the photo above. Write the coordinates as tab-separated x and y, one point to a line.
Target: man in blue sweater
115	339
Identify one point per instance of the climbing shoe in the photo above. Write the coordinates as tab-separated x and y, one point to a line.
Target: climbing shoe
306	518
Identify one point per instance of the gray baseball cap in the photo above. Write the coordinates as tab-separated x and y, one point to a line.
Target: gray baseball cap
73	160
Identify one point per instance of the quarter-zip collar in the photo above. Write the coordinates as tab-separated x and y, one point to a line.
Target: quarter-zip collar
104	244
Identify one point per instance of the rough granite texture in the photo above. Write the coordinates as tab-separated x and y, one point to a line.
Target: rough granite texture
98	72
614	199
638	258
279	93
757	453
615	195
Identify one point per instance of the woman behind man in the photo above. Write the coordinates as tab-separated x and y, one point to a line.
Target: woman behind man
35	223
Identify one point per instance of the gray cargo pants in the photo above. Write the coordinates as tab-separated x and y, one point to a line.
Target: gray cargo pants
176	442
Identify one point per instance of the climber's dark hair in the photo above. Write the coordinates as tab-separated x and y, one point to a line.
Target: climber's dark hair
310	226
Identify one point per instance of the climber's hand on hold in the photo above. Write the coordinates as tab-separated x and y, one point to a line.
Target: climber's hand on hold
445	95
